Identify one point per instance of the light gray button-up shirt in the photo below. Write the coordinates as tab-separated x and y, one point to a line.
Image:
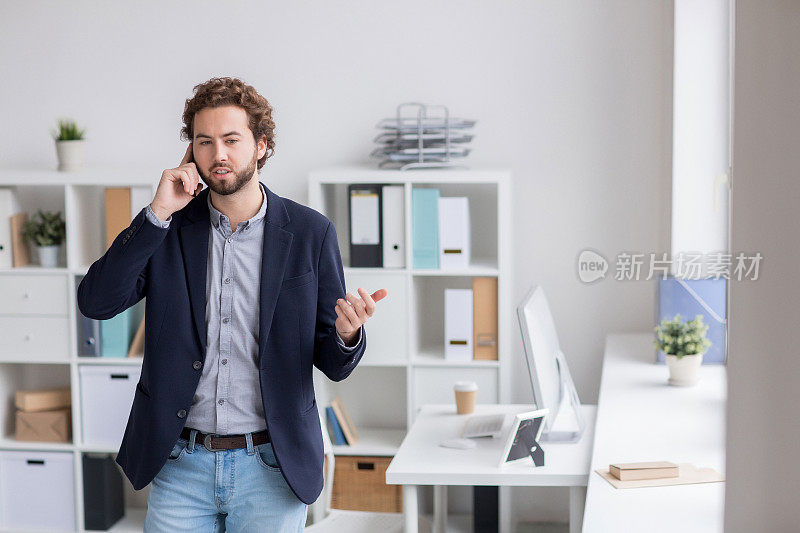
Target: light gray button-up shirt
228	397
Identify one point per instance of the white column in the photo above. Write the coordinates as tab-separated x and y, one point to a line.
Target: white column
440	509
577	503
701	125
410	509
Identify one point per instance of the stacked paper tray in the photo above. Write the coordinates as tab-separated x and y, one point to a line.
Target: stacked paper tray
422	140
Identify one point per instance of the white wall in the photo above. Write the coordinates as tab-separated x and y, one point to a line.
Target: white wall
763	367
574	97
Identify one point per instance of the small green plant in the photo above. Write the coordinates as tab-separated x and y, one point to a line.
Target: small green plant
68	131
49	229
679	338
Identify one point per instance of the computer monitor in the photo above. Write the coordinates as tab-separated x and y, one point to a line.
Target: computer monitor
547	367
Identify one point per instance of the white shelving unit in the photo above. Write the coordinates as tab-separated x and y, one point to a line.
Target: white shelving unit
49	311
404	366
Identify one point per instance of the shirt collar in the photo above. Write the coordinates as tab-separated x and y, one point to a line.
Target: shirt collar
215	214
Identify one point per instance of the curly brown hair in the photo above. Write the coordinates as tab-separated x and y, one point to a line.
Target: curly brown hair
218	92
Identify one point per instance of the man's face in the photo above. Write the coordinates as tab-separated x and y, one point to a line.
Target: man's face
223	140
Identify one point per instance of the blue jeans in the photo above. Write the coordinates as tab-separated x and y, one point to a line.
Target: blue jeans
238	491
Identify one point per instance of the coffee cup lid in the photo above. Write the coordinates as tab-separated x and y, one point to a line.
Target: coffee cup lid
465	386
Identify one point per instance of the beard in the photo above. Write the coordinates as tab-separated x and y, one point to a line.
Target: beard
231	184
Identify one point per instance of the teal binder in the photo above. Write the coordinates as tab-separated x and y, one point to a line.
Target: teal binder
115	335
425	227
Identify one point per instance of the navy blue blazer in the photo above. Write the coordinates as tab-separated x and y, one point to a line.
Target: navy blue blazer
301	279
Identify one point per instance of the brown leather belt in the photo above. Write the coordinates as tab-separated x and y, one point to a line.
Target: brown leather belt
215	443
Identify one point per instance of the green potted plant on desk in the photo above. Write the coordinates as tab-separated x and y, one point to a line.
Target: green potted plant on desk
69	145
47	233
683	344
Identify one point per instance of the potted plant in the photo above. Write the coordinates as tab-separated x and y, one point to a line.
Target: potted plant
69	145
47	233
683	344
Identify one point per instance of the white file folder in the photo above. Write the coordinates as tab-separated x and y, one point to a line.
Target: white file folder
454	233
458	324
8	208
394	249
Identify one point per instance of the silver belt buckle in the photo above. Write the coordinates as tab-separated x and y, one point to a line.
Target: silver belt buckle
207	445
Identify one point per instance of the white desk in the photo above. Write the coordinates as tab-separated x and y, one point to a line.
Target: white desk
421	461
641	418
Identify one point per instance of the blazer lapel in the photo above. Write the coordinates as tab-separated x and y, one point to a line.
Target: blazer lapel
275	252
194	246
276	246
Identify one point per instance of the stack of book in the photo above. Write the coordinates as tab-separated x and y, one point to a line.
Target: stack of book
340	427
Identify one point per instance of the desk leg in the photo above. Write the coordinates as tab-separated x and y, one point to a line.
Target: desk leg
577	501
440	509
410	509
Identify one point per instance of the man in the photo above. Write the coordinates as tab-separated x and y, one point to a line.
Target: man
245	292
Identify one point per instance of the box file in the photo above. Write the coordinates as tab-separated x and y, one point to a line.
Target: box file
458	324
393	216
115	336
365	225
425	228
454	233
484	291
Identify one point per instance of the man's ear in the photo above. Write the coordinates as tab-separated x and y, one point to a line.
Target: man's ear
262	146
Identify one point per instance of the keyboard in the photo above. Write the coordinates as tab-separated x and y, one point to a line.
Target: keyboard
483	426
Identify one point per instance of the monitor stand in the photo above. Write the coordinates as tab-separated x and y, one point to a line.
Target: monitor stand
568	397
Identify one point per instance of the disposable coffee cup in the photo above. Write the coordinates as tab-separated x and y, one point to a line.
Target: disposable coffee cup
466	392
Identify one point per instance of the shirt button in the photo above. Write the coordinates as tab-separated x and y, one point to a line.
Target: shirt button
182	413
226	320
230	239
227	280
221	402
196	365
224	361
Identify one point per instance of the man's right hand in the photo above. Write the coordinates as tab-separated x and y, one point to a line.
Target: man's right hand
177	187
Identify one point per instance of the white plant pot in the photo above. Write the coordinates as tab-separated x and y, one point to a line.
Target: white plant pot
48	255
70	155
684	371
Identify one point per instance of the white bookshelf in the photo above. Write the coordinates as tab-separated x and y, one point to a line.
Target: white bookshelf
404	365
52	312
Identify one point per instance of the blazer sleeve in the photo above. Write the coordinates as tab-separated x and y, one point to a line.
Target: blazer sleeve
118	279
333	359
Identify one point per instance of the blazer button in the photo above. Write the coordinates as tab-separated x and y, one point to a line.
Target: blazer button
182	413
196	365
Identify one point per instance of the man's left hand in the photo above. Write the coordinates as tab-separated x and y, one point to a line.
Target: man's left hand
352	312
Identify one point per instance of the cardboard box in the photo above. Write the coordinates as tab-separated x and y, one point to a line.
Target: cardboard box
43	399
44	426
